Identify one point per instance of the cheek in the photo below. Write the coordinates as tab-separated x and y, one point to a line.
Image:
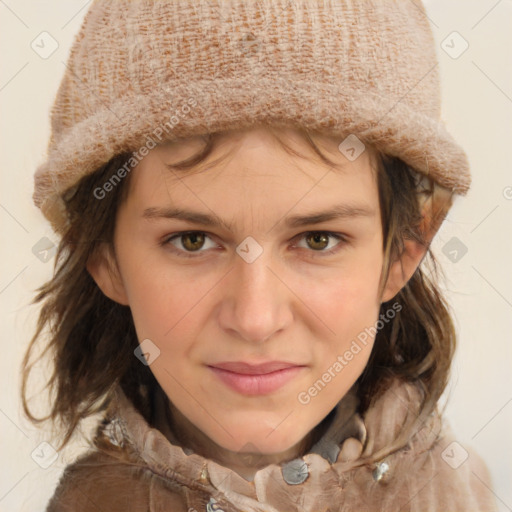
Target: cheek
347	304
165	300
346	299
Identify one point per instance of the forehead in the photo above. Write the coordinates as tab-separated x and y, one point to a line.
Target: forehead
329	148
254	167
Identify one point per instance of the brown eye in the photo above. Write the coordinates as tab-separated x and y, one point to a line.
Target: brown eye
188	243
322	242
318	241
193	241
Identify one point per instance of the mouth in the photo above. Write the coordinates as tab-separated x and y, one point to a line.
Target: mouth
256	379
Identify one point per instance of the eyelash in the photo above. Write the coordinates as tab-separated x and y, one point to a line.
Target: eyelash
184	254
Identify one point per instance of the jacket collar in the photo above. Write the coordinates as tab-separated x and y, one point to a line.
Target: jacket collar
347	438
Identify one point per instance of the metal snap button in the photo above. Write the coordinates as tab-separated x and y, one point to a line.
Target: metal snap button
213	506
114	432
380	471
295	472
204	475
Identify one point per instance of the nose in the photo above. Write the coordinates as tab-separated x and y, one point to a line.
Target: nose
256	304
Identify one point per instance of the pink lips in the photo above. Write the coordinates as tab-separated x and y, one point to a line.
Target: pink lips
256	379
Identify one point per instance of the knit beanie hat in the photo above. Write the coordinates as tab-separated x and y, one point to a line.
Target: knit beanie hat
144	71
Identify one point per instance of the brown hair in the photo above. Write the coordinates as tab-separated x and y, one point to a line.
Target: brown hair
91	338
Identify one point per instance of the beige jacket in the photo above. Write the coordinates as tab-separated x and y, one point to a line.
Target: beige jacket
136	468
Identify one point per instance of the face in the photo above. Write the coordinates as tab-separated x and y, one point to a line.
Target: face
257	284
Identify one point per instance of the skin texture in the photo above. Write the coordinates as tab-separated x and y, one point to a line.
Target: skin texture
292	303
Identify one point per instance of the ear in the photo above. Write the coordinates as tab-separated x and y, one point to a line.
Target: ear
434	211
102	266
403	268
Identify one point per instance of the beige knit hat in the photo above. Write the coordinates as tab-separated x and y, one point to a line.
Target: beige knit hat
144	71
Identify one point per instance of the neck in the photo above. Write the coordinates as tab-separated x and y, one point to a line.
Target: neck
179	430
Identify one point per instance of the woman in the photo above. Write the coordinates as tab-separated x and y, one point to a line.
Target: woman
245	194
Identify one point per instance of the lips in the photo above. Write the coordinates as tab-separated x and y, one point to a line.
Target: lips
254	369
256	379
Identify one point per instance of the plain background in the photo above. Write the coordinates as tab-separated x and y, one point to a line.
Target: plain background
477	108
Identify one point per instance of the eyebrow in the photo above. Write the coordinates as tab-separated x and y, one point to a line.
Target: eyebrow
341	211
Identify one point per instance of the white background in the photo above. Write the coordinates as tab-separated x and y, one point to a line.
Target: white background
477	108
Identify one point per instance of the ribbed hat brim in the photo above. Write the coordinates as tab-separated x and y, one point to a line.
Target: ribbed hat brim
126	125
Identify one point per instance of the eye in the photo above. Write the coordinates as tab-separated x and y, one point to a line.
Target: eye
190	242
318	241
